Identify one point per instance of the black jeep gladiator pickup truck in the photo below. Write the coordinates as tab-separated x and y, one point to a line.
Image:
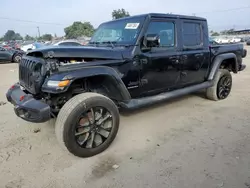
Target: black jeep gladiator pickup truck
129	63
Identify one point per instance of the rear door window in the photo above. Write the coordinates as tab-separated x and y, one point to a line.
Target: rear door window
192	34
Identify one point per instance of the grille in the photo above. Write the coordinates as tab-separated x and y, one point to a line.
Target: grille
30	76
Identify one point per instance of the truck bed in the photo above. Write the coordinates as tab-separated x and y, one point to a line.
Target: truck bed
227	48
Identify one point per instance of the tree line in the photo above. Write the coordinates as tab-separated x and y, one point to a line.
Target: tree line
11	35
77	29
224	32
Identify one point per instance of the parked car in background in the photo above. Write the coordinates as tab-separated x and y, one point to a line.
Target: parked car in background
6	46
212	41
39	45
245	38
67	43
85	42
32	46
27	47
10	55
15	44
222	40
235	40
248	42
47	42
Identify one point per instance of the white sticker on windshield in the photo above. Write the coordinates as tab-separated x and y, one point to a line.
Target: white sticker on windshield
132	25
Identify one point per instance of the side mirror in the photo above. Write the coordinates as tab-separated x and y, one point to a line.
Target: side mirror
152	40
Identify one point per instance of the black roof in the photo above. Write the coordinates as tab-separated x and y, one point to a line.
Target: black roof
174	16
162	15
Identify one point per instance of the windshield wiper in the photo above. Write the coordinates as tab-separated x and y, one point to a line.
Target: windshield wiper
95	43
104	42
110	42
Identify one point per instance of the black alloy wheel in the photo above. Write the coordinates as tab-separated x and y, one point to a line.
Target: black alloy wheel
221	86
87	124
93	127
224	87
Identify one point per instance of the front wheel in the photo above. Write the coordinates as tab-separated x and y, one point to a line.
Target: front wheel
222	86
87	124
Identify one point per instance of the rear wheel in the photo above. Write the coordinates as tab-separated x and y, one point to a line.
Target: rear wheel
221	87
87	124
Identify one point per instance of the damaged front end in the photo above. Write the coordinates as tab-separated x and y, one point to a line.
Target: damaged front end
54	79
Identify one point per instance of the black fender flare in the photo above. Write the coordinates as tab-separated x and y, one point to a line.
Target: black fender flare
217	62
87	72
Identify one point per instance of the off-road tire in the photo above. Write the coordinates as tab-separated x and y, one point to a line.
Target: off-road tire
65	123
212	92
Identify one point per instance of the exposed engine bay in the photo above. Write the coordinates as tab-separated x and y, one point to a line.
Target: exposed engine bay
66	61
70	62
63	61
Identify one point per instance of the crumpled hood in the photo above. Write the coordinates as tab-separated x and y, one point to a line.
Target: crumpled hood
79	51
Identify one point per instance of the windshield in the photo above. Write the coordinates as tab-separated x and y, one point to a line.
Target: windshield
123	32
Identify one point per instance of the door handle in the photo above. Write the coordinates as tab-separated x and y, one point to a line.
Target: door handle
176	61
174	57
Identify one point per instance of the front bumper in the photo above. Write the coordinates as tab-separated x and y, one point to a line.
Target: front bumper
26	107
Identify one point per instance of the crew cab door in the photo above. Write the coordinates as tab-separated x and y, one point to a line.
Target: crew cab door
195	53
161	64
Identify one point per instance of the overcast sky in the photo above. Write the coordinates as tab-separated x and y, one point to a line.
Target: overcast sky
65	12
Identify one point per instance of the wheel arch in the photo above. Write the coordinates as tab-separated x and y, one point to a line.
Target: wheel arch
223	61
105	78
107	85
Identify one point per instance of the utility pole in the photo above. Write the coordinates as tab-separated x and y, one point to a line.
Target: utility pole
38	31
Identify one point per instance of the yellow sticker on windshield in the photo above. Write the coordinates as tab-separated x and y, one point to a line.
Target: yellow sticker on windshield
132	25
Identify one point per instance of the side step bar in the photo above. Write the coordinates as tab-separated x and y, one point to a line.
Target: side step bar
138	103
